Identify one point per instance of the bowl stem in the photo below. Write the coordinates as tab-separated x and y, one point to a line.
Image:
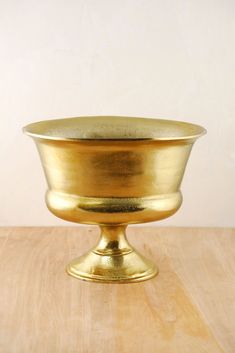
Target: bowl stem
112	260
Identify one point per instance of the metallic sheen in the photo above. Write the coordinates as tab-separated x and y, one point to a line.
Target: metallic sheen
113	171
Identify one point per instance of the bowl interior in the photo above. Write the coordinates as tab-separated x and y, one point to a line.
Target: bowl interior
113	128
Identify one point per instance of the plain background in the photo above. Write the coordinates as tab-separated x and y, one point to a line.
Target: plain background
172	59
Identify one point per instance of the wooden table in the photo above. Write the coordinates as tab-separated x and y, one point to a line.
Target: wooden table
188	308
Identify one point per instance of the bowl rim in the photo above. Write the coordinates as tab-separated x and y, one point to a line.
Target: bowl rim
31	130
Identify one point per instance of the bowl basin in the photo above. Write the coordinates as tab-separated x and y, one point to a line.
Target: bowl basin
113	170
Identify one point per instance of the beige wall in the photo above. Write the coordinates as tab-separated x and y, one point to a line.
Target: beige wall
172	59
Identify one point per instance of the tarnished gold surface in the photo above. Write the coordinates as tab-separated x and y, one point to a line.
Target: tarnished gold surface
113	171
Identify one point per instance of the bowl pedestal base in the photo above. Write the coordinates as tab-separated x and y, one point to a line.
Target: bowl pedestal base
112	260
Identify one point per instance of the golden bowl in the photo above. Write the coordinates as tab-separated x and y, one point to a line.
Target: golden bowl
113	171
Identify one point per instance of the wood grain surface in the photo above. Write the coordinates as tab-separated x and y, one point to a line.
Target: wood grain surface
188	308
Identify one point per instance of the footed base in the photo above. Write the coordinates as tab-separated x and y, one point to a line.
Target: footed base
113	260
126	268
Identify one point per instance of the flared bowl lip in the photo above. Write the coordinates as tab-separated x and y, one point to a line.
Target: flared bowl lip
46	129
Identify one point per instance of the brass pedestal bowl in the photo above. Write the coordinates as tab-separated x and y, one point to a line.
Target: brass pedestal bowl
113	171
